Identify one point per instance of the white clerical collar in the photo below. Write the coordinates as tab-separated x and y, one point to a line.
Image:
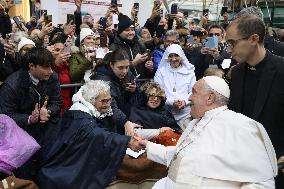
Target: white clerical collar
35	81
214	111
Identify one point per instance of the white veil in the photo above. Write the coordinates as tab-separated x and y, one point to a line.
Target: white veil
175	48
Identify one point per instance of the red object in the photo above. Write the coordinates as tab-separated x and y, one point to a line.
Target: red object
168	138
64	78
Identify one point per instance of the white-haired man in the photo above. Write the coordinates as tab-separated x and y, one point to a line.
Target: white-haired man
224	149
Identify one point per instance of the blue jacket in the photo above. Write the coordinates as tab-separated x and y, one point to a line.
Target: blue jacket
157	57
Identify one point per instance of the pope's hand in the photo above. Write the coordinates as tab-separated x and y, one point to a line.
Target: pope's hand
136	144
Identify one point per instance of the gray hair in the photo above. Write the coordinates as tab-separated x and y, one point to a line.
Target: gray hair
172	33
250	11
219	99
93	88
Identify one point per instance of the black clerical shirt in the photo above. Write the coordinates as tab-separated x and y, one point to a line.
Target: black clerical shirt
251	83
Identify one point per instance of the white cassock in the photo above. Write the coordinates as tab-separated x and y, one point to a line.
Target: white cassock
224	150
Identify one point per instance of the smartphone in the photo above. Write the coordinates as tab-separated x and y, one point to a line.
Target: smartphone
60	26
185	14
18	23
47	19
103	22
113	2
148	52
224	10
136	6
205	12
43	12
189	39
70	17
115	21
211	42
174	8
67	48
162	12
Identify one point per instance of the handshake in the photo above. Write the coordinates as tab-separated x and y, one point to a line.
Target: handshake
137	143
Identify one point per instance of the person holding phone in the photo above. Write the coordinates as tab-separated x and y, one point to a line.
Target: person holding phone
61	67
154	19
213	56
83	60
127	40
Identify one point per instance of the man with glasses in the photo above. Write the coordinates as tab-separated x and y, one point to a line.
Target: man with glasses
257	81
213	57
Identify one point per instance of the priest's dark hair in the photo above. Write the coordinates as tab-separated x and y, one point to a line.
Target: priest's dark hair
38	56
248	25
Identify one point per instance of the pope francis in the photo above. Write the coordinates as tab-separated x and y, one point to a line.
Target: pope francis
222	150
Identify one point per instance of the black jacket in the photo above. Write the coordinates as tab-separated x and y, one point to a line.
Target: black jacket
122	100
8	65
152	118
132	48
269	103
18	97
5	24
84	156
275	47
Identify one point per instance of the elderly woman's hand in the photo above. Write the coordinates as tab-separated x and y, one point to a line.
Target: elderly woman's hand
129	128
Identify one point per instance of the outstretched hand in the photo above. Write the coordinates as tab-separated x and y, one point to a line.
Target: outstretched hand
136	143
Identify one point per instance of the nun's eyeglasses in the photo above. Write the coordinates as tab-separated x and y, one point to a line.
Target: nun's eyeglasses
105	101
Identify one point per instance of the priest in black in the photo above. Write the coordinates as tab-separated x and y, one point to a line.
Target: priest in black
257	81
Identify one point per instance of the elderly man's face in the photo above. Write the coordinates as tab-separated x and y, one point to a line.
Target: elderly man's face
238	45
198	99
102	102
170	40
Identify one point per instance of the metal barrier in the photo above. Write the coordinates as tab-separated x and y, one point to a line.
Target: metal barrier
76	86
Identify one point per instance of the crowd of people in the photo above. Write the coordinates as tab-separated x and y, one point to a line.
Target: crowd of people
218	84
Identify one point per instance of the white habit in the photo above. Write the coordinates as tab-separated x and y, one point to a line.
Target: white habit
224	150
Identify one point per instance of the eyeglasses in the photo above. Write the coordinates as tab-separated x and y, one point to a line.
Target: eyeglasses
152	96
212	34
231	43
105	101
